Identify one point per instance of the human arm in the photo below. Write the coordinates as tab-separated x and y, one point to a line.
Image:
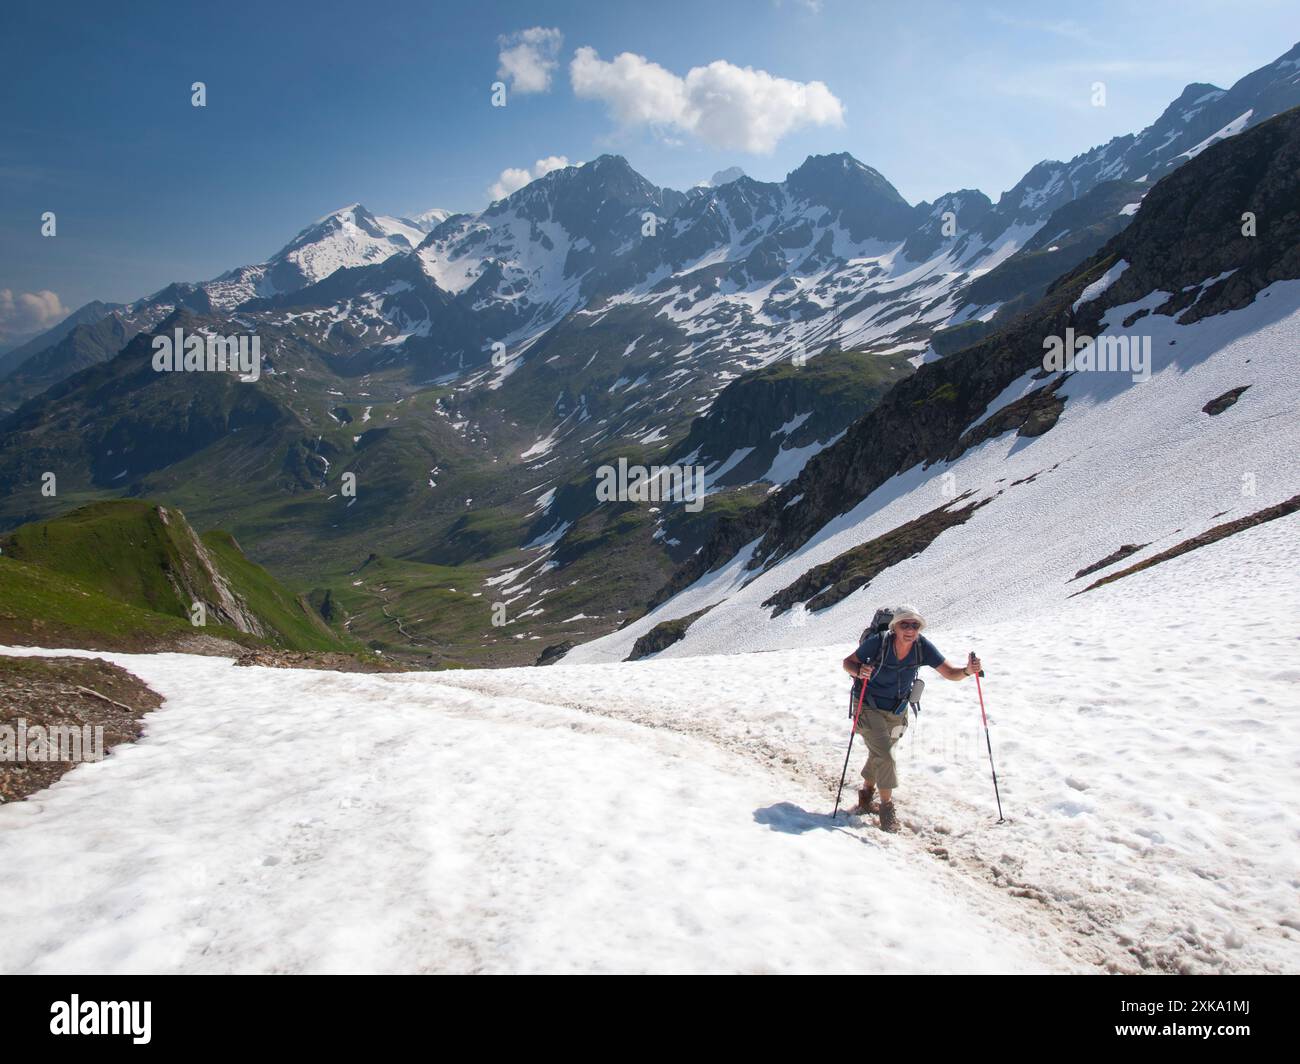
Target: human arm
854	667
949	671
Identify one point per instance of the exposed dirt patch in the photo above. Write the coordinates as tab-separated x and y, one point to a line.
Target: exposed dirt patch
43	697
330	661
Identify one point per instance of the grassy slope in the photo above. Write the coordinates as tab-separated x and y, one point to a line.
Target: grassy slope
298	626
120	549
420	611
103	570
39	607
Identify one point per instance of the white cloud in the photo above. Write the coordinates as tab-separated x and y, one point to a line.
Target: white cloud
726	106
513	178
528	57
552	162
28	312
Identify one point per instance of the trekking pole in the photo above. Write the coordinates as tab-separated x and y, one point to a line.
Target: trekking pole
847	753
988	742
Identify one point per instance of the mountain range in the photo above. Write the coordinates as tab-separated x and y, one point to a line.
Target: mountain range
472	371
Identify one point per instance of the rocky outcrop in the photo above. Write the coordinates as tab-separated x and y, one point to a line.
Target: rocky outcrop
1213	535
1222	402
825	585
198	579
663	635
1030	415
553	653
1110	559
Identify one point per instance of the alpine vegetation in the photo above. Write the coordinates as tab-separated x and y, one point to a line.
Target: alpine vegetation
208	353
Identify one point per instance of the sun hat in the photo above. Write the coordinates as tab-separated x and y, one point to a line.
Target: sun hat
906	613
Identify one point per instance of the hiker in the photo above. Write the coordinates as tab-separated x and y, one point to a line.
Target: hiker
888	662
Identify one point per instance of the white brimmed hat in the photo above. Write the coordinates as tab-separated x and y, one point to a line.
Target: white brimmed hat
906	613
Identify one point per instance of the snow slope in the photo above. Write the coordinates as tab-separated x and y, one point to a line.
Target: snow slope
292	821
350	236
1152	801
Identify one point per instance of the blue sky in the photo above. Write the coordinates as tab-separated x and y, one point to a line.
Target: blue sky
315	105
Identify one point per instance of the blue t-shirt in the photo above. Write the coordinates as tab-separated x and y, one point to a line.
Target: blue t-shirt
890	682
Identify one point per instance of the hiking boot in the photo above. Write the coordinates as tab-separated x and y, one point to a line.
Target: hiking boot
864	806
888	821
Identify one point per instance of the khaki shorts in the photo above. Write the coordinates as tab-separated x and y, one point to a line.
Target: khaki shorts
881	730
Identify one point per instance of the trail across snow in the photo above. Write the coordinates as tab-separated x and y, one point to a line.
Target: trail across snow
293	821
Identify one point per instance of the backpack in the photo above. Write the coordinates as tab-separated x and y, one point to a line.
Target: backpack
879	625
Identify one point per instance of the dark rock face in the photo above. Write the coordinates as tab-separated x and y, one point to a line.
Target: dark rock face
827	584
1110	559
1220	404
1029	416
663	635
553	653
1191	225
859	197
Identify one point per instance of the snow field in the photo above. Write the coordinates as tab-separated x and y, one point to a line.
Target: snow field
292	821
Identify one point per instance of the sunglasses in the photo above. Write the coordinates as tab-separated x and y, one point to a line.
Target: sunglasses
908	624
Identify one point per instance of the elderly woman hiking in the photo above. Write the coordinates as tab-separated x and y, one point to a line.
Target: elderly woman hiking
888	662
